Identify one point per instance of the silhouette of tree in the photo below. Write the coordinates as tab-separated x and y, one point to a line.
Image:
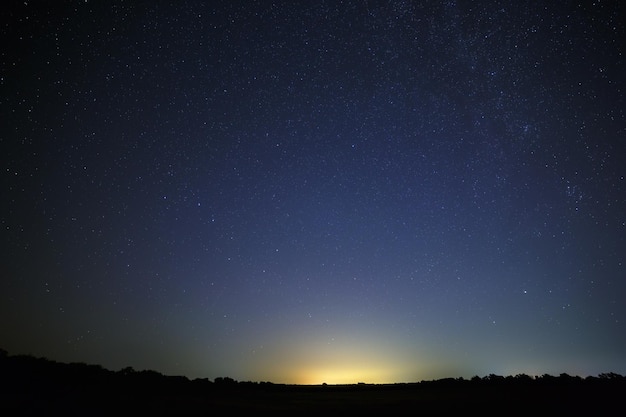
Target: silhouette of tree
494	378
523	377
129	370
224	381
610	375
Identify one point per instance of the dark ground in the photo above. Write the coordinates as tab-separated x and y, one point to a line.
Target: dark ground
35	386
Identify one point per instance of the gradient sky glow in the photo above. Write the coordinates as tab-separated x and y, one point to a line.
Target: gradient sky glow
308	192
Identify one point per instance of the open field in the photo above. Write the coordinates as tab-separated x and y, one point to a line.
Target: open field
41	387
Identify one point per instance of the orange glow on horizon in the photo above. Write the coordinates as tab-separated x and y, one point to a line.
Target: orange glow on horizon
343	375
341	355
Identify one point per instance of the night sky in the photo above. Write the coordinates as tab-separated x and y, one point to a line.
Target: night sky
315	191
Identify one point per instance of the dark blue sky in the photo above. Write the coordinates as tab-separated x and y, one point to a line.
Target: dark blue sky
311	192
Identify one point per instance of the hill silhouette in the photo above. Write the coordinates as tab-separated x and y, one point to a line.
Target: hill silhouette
38	386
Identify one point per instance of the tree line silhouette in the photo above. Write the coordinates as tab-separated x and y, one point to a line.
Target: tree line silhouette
36	386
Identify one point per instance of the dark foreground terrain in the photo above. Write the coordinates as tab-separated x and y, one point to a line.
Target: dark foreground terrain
35	386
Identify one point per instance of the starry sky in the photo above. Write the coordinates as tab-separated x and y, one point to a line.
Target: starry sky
315	191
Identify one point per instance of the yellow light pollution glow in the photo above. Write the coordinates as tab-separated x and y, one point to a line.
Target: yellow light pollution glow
344	375
335	357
